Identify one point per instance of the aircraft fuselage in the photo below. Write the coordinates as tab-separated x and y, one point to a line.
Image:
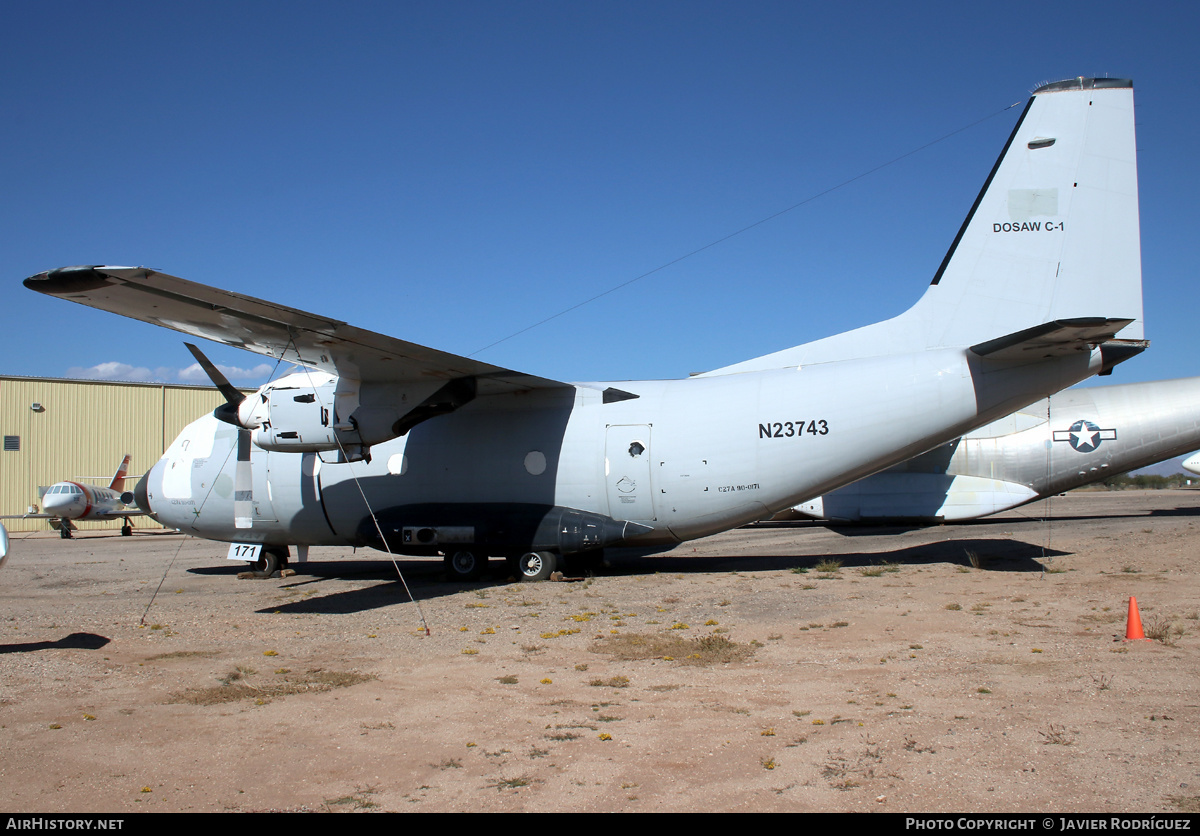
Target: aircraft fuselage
683	459
79	501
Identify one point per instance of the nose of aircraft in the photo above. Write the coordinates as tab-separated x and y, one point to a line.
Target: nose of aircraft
58	503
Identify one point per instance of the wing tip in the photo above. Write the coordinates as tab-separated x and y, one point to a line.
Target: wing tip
65	280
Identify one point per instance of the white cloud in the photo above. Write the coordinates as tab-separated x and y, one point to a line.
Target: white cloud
114	370
195	374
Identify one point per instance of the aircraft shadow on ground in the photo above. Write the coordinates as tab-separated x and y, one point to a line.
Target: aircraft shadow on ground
992	554
426	579
75	641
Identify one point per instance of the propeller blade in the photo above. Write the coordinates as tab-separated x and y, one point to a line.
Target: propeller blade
219	380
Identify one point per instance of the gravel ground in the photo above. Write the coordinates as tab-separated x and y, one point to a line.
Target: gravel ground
959	668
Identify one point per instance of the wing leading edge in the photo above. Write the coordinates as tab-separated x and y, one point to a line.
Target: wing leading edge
270	329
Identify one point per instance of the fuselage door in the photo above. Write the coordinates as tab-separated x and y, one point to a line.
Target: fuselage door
627	472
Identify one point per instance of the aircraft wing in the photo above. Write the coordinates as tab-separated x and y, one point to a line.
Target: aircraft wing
270	329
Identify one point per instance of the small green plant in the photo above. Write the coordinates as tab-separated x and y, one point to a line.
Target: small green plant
829	565
954	607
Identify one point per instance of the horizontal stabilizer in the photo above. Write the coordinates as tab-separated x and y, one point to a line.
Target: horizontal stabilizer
1051	339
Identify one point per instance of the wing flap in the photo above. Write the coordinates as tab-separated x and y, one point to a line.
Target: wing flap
270	329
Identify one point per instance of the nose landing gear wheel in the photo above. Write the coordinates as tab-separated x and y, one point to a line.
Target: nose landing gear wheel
535	566
270	560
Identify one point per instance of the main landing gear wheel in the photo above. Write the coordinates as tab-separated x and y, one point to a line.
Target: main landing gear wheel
464	564
535	566
127	530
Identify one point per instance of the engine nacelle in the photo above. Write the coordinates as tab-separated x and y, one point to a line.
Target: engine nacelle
315	412
298	414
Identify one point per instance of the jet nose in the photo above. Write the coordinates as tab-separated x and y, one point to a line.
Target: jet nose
141	493
56	503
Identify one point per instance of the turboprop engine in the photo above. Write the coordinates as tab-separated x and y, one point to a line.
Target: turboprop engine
316	412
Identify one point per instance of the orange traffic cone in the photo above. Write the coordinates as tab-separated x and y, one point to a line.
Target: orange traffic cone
1133	624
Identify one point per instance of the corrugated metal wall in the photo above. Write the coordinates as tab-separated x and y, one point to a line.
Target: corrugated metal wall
82	430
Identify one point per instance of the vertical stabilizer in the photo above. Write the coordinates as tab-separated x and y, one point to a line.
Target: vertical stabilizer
118	480
1053	235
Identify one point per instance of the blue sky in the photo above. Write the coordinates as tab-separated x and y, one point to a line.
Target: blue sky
452	173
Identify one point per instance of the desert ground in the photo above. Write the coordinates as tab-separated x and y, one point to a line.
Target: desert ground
782	667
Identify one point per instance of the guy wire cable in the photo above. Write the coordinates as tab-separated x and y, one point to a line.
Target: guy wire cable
363	494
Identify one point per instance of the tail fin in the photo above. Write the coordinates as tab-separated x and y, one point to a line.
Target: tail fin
1052	236
118	480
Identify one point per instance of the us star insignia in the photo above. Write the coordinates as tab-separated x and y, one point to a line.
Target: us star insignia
1085	436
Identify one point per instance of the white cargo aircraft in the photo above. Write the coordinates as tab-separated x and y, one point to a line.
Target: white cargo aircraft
1066	441
67	501
388	444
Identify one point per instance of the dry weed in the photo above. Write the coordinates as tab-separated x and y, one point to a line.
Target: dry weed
702	651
